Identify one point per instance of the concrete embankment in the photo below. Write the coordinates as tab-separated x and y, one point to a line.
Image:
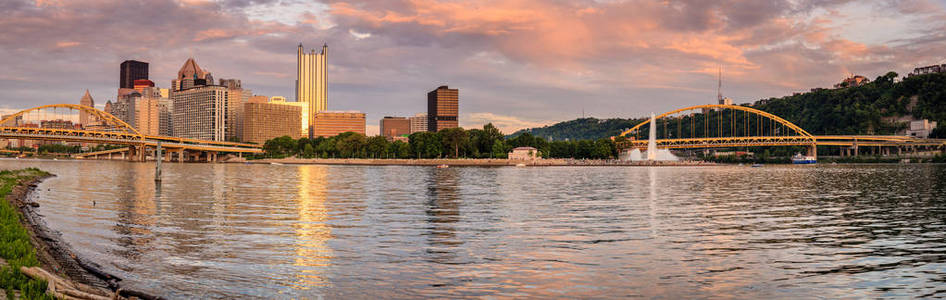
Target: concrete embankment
67	275
470	162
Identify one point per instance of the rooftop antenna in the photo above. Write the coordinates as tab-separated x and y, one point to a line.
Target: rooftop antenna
719	86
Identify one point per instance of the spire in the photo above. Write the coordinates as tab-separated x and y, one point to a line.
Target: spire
324	48
87	99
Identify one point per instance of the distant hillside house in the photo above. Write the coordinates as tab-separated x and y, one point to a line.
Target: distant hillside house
929	70
856	80
524	153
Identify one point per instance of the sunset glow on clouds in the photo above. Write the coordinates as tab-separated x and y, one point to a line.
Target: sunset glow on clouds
516	62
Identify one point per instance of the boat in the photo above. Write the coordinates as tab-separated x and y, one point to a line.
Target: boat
520	165
276	163
799	159
442	166
756	165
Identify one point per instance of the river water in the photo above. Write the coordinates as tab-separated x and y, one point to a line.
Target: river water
268	231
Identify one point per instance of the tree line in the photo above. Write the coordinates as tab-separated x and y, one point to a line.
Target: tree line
487	142
872	108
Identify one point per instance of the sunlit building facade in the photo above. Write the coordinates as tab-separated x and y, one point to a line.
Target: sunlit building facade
304	112
443	108
311	83
265	121
332	123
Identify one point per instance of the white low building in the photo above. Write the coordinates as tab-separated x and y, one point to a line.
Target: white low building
921	128
524	153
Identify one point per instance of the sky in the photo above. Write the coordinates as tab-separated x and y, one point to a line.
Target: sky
517	63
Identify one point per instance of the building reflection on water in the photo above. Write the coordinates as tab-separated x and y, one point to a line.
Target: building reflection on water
135	212
313	254
443	212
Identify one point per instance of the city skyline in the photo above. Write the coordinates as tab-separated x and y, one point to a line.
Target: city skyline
520	64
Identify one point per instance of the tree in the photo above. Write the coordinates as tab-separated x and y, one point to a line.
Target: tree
454	137
376	146
350	144
308	151
401	149
499	149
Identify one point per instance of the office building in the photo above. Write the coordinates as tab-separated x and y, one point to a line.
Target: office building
332	123
132	70
265	121
191	75
84	117
311	83
141	84
304	106
419	122
123	108
200	113
258	99
443	108
395	126
165	116
147	111
236	98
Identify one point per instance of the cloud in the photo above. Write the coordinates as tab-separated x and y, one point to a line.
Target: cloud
506	124
517	63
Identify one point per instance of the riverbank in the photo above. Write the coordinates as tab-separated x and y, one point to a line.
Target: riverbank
468	162
16	241
28	245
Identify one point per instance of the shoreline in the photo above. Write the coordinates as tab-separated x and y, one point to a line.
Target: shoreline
485	162
54	254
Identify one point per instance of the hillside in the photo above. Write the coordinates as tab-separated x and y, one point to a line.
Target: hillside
880	107
581	129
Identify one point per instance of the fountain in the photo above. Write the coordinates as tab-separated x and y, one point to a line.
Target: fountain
653	154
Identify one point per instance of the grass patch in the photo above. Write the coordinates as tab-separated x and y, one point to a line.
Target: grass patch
15	245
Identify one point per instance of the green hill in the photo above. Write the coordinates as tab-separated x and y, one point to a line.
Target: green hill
581	129
879	107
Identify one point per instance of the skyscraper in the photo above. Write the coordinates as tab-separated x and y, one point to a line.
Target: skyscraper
311	84
132	70
86	100
191	75
200	113
199	109
443	107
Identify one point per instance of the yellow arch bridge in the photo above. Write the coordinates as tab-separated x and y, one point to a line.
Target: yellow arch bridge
725	126
84	124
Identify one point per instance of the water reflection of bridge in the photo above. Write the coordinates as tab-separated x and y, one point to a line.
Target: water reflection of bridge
61	123
725	126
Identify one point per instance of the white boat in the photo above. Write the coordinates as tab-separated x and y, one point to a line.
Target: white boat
520	165
799	159
275	163
443	166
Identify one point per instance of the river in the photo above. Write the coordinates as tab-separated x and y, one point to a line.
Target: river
271	231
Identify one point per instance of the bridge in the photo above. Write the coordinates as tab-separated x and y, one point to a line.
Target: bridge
87	125
725	126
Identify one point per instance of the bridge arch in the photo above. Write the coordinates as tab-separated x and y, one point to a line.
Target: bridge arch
101	115
772	117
